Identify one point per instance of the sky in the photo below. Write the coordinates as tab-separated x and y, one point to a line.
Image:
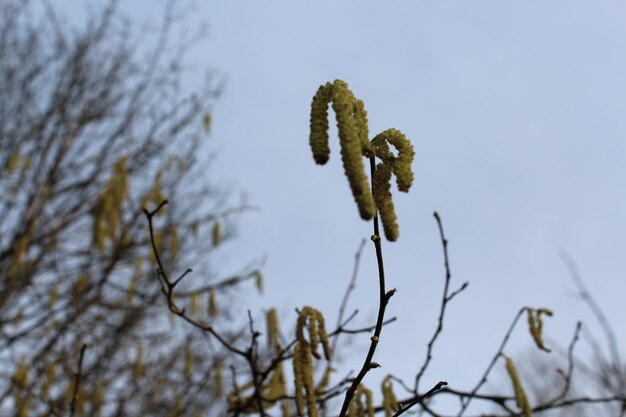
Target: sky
516	112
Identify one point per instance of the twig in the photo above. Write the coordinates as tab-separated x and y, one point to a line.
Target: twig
346	295
444	302
567	377
365	329
594	307
77	378
483	379
405	407
167	287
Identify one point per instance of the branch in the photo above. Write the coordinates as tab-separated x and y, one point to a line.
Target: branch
78	375
444	302
167	287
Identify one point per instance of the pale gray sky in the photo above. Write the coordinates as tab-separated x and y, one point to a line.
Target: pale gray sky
516	111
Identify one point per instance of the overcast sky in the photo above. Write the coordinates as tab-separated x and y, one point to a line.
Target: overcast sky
517	114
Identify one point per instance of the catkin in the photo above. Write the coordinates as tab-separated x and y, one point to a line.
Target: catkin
273	335
535	325
352	128
390	402
305	390
384	203
318	137
351	149
520	396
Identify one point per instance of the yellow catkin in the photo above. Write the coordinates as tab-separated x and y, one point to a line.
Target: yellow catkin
277	386
20	379
258	281
323	335
273	332
352	409
520	395
174	243
206	122
400	166
217	233
218	386
212	303
23	407
351	149
363	402
324	381
318	136
155	192
535	325
307	378
131	291
384	203
20	382
360	118
188	362
99	395
313	335
298	350
13	162
285	409
108	210
401	163
313	321
195	304
48	379
352	128
390	402
19	250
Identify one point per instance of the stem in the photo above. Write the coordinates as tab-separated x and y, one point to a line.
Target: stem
383	300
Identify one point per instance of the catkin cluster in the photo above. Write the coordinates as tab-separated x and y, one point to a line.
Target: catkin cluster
400	167
353	139
304	351
520	394
535	325
108	210
390	402
362	404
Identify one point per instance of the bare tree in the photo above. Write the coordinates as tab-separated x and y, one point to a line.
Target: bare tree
91	132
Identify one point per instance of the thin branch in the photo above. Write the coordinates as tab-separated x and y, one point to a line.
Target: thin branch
497	355
167	287
346	295
445	299
594	306
567	377
77	378
405	407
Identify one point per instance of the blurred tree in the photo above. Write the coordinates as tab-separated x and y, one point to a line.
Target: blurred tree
92	131
599	378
